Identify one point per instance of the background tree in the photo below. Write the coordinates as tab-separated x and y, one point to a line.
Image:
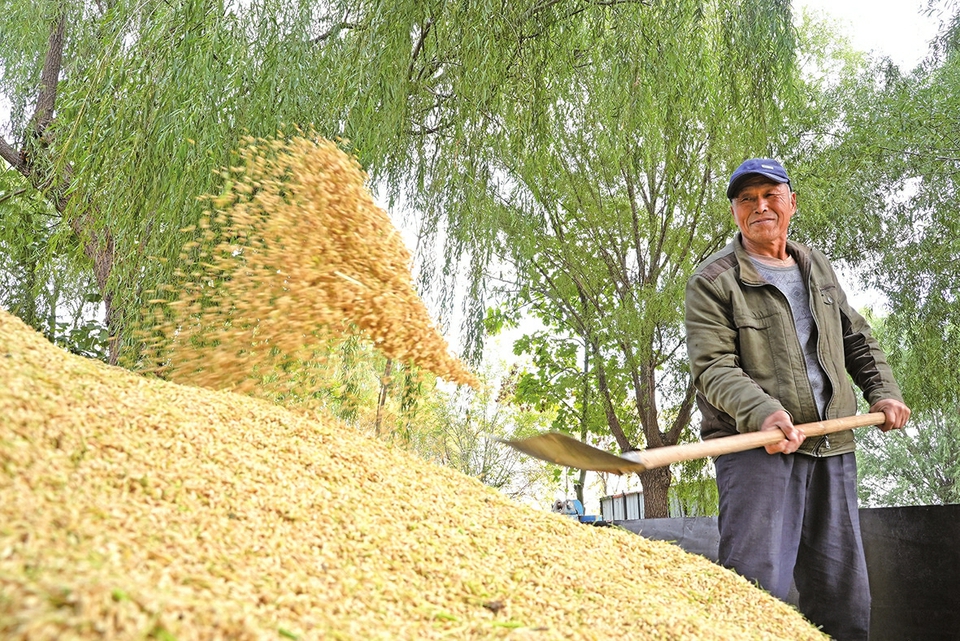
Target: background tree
560	381
499	98
605	213
122	113
876	172
37	282
878	179
917	466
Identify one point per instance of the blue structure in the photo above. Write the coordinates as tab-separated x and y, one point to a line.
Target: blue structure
574	509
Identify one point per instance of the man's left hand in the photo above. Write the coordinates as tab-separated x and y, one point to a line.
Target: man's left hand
896	412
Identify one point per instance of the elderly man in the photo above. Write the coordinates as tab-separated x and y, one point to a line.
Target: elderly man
771	341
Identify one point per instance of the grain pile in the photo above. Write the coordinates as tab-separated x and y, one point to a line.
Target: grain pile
134	508
294	255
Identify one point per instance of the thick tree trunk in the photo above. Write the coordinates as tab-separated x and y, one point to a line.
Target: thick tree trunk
656	488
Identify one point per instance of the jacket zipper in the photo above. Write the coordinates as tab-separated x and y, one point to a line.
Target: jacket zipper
823	442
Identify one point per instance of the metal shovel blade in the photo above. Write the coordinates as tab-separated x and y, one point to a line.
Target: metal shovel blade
567	451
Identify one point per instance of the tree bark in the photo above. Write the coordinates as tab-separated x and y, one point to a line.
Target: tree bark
49	76
584	416
656	492
613	421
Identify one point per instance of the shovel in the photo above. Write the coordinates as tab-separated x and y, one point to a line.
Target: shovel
569	452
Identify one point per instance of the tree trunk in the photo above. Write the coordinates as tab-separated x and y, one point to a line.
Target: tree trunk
584	417
578	485
26	309
656	487
382	399
613	421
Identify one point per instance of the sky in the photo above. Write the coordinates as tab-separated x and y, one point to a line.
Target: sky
895	28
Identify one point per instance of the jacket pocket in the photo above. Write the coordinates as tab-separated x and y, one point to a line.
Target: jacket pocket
828	294
760	347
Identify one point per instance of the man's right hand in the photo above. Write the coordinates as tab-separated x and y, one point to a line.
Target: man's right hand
792	437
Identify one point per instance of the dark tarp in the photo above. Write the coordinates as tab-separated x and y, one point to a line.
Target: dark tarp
913	556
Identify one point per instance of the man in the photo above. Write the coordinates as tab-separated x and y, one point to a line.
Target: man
772	340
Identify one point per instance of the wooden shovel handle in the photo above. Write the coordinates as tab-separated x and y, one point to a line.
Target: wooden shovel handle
660	456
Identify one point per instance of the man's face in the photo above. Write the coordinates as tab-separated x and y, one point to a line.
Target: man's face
763	209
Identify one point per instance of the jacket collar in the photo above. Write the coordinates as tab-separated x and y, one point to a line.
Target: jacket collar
748	271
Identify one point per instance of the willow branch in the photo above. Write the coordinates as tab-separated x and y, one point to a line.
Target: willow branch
424	31
12	194
52	64
13	157
335	29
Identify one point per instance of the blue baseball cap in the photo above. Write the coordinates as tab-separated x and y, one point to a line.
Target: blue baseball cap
766	167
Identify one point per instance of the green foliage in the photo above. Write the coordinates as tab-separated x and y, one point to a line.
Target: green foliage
693	489
39	282
496	320
153	97
522	98
916	466
694	497
877	182
459	428
554	382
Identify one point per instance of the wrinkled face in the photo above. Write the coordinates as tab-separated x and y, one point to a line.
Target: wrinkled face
762	210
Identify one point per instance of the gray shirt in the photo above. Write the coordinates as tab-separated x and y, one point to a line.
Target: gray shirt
789	280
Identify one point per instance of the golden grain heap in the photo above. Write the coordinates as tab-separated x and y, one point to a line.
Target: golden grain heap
294	255
134	508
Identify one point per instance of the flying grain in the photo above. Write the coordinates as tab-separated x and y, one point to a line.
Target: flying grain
293	256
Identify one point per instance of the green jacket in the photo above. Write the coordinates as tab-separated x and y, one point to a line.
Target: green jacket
745	356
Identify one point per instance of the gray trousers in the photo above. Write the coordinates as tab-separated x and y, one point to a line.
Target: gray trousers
795	517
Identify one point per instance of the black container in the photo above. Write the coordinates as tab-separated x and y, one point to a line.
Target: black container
913	557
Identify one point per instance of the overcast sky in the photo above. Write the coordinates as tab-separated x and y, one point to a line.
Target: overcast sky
896	28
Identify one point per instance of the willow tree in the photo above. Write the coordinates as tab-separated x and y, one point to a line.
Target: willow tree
121	112
877	177
919	465
879	190
585	144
